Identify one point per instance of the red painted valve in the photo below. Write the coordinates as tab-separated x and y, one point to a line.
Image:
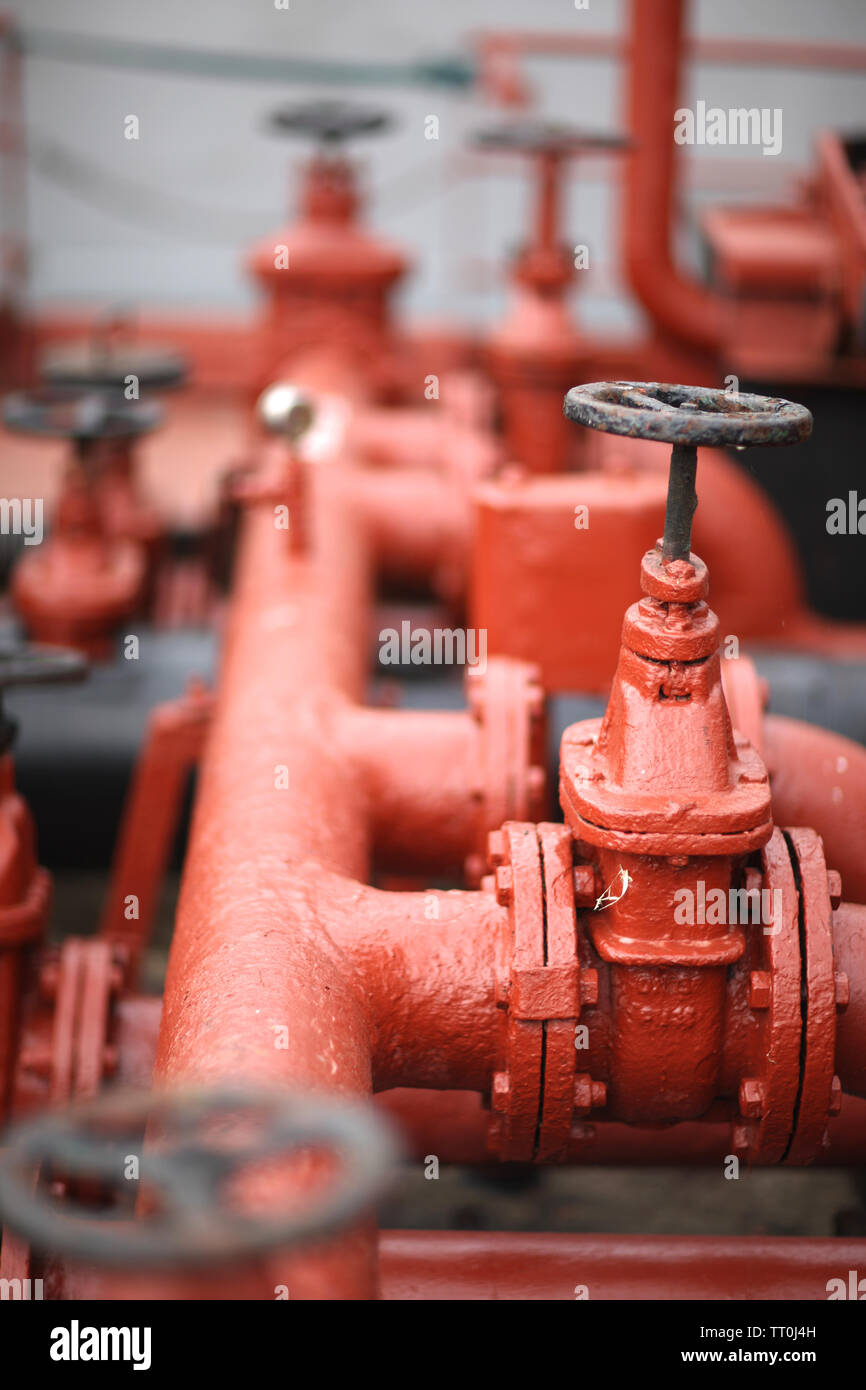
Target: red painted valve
112	361
672	808
327	280
76	588
536	351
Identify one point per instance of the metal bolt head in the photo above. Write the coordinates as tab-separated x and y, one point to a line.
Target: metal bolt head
588	1094
504	880
499	1090
835	1104
496	848
584	885
588	987
834	887
751	1098
760	989
843	990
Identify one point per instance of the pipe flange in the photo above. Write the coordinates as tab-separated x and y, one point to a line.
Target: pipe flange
507	701
786	1102
815	1102
771	964
69	1046
541	994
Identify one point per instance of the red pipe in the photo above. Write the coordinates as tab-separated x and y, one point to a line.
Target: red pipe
434	1266
454	1125
422	771
677	303
818	779
289	646
793	53
470	1265
275	880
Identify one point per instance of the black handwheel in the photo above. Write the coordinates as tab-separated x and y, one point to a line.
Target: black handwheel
535	137
198	1143
330	121
81	416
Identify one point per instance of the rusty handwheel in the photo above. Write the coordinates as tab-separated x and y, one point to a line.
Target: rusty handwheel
199	1143
686	417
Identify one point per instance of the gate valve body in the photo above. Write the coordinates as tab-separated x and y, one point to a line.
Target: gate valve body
327	281
112	361
535	352
82	582
661	794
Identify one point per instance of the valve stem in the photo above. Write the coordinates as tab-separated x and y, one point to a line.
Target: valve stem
681	503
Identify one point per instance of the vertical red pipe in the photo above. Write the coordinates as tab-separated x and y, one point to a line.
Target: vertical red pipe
677	304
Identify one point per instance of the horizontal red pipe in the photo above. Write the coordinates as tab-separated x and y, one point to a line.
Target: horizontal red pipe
453	1125
433	1266
423	774
754	52
818	779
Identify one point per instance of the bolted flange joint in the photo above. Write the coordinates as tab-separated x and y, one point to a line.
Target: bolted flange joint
537	1092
